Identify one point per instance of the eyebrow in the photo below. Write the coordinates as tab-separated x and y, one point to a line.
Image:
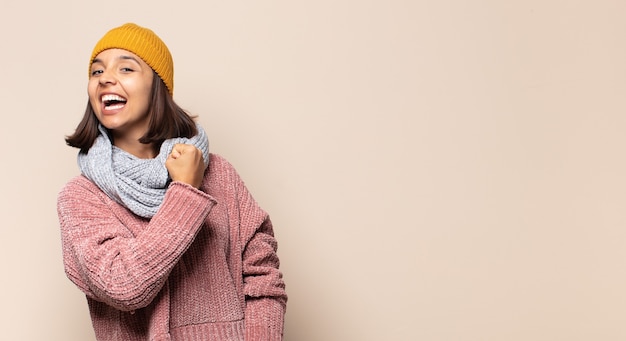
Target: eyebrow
122	57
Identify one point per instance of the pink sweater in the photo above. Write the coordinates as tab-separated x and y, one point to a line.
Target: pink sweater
203	268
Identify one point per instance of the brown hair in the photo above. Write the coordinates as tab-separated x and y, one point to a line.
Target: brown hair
167	120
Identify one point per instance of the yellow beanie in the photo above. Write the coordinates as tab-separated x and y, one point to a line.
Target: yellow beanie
145	44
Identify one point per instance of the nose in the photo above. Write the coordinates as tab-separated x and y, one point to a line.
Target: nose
107	77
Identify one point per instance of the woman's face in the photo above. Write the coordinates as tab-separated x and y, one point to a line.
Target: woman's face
119	90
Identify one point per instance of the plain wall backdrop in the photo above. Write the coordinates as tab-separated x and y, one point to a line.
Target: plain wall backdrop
435	170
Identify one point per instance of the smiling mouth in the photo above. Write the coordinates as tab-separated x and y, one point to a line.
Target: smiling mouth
113	102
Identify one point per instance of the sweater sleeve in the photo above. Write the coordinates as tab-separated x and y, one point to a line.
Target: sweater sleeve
263	284
264	287
113	264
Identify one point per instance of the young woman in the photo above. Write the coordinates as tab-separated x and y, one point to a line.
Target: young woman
162	237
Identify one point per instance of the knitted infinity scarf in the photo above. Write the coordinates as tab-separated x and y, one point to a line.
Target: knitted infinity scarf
138	184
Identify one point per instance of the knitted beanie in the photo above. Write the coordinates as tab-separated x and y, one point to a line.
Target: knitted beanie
145	44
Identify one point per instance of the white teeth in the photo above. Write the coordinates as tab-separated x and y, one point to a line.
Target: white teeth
113	102
112	98
114	107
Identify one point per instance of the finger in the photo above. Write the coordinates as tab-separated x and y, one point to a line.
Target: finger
182	148
177	150
175	154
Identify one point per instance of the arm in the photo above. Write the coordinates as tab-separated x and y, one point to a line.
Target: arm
263	285
116	258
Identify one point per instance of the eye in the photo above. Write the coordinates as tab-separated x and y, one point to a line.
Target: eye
127	69
96	72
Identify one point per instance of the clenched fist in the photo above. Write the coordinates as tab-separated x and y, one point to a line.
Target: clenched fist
185	164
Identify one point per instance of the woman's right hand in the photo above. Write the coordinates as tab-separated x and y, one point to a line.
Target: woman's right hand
186	164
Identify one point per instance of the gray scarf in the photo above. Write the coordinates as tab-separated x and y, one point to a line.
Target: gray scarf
138	184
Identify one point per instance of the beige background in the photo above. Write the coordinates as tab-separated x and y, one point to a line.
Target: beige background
436	170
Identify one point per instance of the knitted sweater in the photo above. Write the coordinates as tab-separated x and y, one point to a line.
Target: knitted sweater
203	268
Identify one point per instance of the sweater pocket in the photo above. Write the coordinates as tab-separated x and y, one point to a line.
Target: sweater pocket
196	304
202	288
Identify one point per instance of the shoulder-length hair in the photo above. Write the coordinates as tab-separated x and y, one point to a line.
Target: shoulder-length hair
167	120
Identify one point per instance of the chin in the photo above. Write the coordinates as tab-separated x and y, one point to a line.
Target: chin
110	125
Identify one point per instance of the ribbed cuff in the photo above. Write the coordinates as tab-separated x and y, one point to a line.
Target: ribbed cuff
263	333
211	331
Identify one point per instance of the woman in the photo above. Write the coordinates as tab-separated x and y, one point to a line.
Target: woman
162	237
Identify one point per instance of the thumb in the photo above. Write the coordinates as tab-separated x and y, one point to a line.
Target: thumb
176	151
